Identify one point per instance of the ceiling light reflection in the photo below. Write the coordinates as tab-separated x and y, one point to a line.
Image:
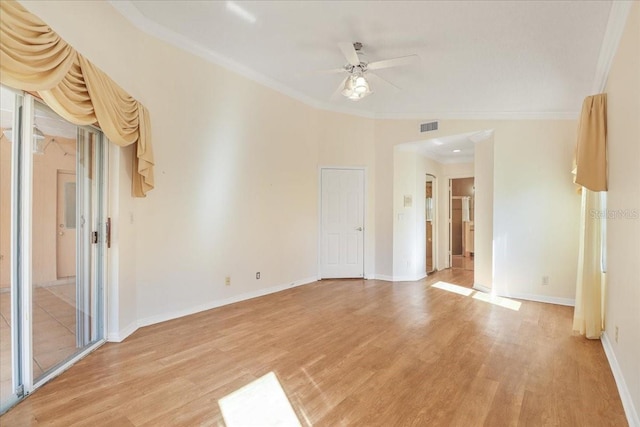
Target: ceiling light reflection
241	12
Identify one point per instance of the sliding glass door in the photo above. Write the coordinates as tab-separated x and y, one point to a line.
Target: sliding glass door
10	105
58	232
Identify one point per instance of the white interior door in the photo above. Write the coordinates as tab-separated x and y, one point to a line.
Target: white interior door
342	223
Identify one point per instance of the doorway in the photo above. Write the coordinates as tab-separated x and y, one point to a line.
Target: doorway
342	223
53	243
430	223
461	223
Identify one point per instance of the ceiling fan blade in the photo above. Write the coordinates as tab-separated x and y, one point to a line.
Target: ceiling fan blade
349	52
338	92
331	71
395	62
376	79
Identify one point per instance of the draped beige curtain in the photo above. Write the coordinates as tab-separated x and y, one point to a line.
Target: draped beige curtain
591	174
34	58
591	152
588	317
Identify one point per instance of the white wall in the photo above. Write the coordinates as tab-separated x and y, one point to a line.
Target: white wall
531	170
536	210
236	187
409	232
121	292
623	231
404	217
483	214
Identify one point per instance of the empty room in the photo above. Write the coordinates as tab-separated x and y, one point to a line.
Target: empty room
319	213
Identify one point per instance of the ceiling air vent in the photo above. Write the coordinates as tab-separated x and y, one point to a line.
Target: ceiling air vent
428	127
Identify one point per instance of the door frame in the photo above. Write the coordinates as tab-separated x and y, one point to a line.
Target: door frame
22	259
434	228
364	215
449	210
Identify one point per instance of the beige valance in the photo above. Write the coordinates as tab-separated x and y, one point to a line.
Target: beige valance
34	58
591	150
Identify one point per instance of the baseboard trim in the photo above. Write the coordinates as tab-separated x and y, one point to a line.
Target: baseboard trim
539	298
627	402
481	288
400	278
151	320
122	334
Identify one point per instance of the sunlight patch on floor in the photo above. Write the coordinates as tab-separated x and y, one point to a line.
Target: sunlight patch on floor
262	403
502	302
480	296
456	289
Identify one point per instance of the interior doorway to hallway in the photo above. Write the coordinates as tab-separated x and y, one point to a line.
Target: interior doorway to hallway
461	223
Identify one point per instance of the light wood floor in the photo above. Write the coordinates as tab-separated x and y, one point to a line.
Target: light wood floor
346	352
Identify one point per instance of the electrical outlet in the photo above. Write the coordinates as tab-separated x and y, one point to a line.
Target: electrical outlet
258	275
616	337
545	280
227	280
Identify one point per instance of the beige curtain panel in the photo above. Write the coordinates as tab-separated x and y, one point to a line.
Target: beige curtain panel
591	153
34	58
588	315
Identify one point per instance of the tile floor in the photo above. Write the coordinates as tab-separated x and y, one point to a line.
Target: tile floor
54	324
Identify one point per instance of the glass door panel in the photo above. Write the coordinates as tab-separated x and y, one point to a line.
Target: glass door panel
52	243
54	240
64	219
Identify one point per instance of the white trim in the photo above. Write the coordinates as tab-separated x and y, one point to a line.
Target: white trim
122	334
615	27
26	242
112	264
482	115
151	320
538	298
625	395
480	288
128	10
400	278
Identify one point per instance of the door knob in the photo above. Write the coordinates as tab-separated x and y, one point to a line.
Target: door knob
359	228
61	233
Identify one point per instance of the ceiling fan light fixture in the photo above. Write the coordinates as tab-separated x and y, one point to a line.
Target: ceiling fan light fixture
361	85
356	87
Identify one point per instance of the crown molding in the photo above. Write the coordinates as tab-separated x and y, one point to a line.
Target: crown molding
484	115
615	27
128	10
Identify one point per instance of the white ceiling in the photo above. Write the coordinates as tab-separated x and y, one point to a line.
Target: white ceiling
448	149
478	58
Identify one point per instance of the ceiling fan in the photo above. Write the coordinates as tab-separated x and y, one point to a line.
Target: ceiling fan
356	85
